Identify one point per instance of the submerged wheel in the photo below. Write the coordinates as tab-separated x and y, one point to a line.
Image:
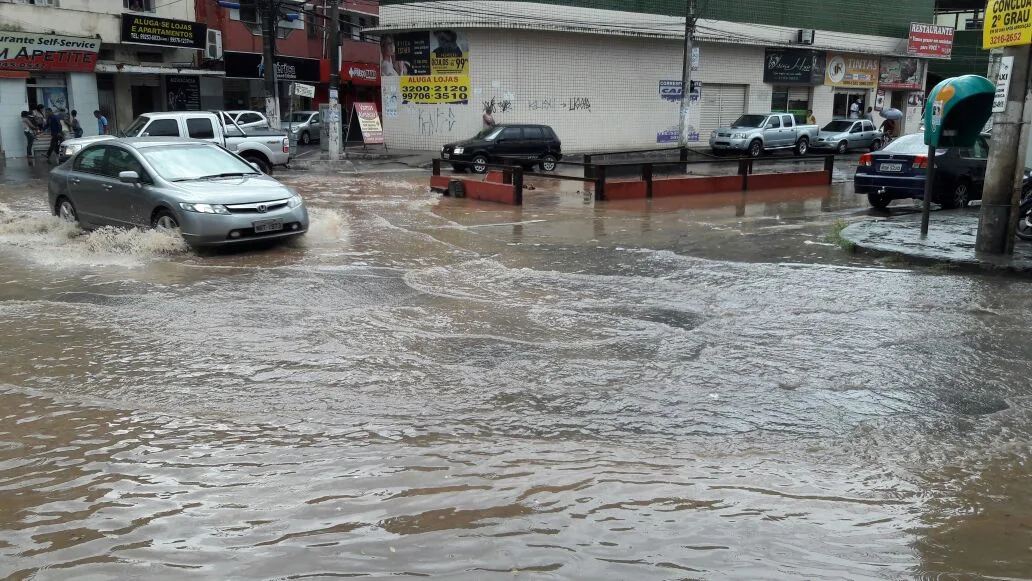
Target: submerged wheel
879	201
66	210
164	220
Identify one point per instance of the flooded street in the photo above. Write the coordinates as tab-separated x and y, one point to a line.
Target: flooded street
694	388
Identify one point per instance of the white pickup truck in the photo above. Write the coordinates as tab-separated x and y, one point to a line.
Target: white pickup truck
754	134
263	147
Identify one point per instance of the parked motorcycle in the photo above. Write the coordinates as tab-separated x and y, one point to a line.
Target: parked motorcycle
1025	217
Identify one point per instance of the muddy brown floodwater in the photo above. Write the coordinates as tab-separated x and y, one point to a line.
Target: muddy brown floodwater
702	388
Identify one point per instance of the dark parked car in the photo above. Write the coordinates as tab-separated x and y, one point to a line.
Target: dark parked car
898	172
536	144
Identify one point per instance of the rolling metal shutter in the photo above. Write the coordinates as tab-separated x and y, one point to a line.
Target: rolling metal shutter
721	105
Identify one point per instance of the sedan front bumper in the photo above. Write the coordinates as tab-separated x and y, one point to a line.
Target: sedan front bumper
221	229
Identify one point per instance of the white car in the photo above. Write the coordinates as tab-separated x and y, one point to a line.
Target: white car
247	119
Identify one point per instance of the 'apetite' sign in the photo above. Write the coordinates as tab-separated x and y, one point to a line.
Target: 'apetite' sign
23	53
141	29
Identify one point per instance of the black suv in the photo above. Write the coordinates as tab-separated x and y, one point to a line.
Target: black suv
536	144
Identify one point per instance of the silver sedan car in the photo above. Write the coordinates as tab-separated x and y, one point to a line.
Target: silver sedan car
209	194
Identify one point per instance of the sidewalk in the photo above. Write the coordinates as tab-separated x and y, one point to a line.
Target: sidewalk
951	241
356	156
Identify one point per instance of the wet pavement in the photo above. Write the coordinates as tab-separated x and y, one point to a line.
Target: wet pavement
950	241
696	388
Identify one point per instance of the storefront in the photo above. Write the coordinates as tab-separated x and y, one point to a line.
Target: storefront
792	74
38	69
360	83
902	80
245	86
853	79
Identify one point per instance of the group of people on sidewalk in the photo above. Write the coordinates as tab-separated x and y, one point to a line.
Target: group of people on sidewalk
45	121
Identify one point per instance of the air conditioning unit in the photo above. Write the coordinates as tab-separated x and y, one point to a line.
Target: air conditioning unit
806	36
213	47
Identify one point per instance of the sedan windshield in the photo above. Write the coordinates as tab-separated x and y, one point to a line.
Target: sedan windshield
838	126
749	121
192	162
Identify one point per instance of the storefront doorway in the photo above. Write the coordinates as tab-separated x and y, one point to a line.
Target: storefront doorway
844	99
791	99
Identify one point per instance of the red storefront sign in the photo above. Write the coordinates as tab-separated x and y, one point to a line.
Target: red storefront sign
360	73
930	41
22	54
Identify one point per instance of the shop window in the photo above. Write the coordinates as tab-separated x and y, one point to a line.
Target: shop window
138	5
794	100
842	102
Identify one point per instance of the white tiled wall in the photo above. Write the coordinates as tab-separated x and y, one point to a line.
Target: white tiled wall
13	101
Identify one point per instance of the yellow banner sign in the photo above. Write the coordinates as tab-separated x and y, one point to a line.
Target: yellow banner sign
847	70
435	89
1007	23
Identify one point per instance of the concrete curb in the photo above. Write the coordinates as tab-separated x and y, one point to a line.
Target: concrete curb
951	242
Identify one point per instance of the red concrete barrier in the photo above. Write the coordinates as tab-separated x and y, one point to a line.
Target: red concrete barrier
495	177
799	179
687	186
635	190
492	192
439	183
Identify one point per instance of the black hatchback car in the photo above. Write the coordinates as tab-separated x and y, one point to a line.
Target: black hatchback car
530	144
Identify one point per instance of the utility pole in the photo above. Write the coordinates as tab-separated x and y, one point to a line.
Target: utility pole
333	139
1006	168
270	19
686	72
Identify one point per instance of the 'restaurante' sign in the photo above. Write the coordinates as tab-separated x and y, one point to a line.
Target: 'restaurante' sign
930	41
141	29
23	53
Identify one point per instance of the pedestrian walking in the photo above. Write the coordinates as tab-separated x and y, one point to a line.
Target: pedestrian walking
810	119
855	108
56	134
870	114
29	129
75	125
102	123
888	128
39	118
489	117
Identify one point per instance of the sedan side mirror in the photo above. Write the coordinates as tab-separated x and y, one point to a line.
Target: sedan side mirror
129	177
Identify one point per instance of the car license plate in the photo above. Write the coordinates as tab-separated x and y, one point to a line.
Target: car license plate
263	226
445	155
894	167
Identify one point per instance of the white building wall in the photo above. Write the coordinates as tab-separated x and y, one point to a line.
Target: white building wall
82	96
13	100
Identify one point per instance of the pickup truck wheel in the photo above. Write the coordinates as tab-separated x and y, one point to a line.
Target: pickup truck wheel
548	162
755	148
842	148
306	138
879	201
263	165
802	146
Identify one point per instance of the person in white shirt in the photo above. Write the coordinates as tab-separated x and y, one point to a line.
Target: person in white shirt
854	109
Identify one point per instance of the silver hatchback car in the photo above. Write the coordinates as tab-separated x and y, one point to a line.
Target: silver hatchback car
210	195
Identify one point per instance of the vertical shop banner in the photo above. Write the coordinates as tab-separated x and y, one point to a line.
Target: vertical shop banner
793	66
183	93
930	41
879	100
56	98
854	71
23	53
433	66
900	73
369	123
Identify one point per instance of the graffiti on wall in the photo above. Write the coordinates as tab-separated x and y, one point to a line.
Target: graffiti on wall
496	105
436	121
563	105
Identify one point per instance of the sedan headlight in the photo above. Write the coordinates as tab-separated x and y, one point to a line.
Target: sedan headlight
71	149
204	208
295	201
739	135
458	150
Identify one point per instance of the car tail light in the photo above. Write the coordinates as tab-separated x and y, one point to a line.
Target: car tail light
920	162
865	160
286	145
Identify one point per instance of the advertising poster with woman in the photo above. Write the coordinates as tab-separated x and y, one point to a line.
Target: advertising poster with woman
432	65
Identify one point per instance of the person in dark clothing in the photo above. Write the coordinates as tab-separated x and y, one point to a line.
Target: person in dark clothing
75	125
39	118
56	134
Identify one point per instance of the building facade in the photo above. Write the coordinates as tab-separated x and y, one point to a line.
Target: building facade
605	74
